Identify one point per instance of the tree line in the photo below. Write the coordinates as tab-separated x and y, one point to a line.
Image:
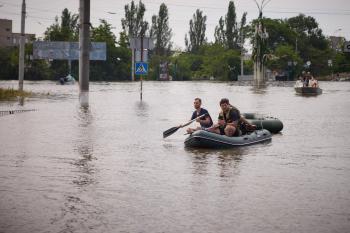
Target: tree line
291	43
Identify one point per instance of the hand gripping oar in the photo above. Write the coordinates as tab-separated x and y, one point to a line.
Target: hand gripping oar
172	130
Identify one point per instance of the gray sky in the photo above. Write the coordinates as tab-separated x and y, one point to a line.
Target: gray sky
333	16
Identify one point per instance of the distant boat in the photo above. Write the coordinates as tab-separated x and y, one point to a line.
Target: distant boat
68	80
306	90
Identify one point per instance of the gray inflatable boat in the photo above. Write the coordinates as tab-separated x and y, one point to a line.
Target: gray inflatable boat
205	139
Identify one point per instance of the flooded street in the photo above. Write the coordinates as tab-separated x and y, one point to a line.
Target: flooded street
108	168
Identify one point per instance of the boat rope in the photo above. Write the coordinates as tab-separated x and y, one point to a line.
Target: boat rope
10	112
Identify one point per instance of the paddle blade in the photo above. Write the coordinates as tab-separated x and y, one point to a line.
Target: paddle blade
170	131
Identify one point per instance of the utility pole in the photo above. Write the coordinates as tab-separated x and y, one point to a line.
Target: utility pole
133	64
84	52
21	48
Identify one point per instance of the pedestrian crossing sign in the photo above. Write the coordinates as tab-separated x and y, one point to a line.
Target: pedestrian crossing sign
141	68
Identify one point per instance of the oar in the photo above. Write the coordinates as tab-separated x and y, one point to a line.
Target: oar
172	130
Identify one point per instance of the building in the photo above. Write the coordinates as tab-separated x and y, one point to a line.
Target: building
8	38
5	32
16	37
337	43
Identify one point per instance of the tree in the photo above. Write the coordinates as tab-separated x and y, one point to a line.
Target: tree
312	44
196	32
123	40
229	32
220	34
161	31
211	60
8	63
116	66
231	27
66	31
133	23
103	33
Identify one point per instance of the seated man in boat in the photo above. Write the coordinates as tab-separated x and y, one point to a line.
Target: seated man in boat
204	121
229	120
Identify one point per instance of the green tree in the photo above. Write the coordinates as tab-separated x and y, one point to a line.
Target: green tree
231	26
8	63
286	59
220	34
229	32
210	61
123	40
312	45
161	31
133	24
116	66
196	32
67	30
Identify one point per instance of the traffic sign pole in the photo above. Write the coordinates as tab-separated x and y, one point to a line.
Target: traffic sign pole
141	61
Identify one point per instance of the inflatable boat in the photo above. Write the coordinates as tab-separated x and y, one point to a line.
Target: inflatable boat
205	139
272	124
68	80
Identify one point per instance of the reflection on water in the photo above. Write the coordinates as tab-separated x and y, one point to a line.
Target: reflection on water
78	212
259	89
141	109
21	101
84	147
227	160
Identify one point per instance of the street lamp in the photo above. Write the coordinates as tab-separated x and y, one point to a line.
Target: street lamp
338	30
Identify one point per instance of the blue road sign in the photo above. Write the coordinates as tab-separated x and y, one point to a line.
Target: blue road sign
141	68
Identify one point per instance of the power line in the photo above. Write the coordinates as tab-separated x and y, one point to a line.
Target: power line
307	13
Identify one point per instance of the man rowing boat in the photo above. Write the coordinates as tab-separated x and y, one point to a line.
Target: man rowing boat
205	121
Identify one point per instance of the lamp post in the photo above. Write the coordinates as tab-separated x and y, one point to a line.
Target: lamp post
260	44
338	30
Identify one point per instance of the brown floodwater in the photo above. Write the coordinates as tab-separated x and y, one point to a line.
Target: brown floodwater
108	169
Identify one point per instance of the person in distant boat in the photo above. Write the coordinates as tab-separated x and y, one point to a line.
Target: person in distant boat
205	121
61	80
229	120
313	82
303	76
307	79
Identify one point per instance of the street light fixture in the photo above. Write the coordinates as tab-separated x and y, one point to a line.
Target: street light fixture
338	30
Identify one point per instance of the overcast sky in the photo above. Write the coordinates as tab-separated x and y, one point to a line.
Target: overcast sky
333	16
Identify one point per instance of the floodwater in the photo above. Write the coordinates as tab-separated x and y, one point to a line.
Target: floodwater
108	169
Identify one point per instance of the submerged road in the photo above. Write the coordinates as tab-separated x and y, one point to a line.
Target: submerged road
108	169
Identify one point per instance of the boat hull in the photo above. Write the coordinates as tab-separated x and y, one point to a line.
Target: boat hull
308	90
205	139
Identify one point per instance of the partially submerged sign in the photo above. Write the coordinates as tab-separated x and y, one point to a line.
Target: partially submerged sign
62	50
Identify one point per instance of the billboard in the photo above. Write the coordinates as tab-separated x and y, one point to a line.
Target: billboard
63	50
